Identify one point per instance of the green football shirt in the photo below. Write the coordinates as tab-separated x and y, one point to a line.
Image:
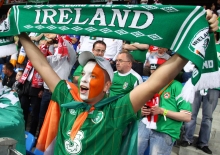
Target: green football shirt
171	100
124	83
101	132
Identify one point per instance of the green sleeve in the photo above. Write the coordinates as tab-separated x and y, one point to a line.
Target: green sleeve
61	93
123	112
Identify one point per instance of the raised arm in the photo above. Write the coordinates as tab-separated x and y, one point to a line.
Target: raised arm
39	62
141	46
37	38
129	47
162	76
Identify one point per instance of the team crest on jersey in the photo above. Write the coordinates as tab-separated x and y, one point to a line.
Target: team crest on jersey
72	111
98	118
125	85
200	42
166	95
74	146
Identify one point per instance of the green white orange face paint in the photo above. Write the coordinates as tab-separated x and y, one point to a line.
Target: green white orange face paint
92	81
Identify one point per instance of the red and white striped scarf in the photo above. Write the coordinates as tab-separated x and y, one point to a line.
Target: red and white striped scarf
37	80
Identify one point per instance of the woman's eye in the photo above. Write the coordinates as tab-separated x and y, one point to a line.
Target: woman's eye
82	74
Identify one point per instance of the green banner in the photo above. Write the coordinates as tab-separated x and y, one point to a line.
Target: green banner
183	29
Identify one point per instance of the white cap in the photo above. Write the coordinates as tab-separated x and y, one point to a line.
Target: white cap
85	56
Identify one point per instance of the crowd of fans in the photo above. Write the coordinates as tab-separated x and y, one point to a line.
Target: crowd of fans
162	117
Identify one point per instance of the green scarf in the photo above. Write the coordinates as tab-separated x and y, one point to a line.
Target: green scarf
218	56
183	29
86	106
218	25
218	53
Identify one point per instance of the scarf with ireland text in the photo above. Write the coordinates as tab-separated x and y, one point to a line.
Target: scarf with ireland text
183	29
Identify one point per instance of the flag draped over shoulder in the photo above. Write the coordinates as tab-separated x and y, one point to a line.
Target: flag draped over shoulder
11	118
46	139
183	29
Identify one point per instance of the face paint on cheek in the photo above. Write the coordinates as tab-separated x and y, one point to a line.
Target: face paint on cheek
96	84
79	80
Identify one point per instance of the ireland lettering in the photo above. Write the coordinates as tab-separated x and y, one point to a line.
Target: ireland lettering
200	42
74	16
200	38
208	64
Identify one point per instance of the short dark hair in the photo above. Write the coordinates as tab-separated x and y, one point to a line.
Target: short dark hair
9	66
98	42
128	55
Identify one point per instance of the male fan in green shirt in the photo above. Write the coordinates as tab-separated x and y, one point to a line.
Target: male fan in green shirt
163	117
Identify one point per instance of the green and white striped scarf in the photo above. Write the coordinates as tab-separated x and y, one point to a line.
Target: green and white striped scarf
183	29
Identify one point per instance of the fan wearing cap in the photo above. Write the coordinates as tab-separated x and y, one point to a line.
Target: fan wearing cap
164	115
94	125
155	56
98	49
96	76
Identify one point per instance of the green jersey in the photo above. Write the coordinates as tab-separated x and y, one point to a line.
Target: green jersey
102	130
124	83
170	100
139	55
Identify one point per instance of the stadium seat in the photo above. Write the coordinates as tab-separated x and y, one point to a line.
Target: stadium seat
38	152
30	140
